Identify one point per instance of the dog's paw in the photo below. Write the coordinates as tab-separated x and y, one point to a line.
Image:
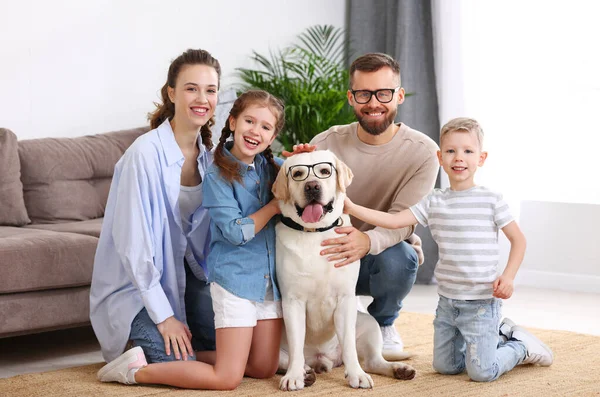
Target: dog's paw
359	379
310	377
292	381
404	372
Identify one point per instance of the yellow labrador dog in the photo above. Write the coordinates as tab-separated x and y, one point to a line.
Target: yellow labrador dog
323	328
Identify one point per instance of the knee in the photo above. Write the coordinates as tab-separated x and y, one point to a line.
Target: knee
261	371
230	382
479	375
445	369
399	260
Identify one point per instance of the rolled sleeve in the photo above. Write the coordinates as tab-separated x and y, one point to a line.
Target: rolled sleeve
247	226
382	239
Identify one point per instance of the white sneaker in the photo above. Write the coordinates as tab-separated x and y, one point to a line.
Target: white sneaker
123	368
505	330
391	339
537	351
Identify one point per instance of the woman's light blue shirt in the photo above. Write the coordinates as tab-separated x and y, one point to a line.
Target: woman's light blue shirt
240	261
139	259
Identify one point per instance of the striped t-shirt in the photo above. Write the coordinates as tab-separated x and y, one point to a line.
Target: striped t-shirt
465	226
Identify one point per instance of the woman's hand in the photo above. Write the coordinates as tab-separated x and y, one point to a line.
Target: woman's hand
176	336
300	148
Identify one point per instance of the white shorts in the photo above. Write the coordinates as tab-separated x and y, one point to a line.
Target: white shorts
232	311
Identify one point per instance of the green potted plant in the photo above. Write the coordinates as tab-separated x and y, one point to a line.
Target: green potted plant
311	77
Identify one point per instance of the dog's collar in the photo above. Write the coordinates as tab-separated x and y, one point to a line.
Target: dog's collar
296	226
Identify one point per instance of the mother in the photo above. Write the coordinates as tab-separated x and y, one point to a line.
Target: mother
148	284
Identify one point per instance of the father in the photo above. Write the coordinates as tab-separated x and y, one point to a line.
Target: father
394	167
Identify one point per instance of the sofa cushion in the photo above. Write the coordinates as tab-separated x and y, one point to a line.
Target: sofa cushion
12	205
67	179
33	260
44	310
90	228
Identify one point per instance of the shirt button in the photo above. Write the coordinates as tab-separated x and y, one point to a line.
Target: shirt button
195	221
269	252
238	221
249	168
267	276
257	182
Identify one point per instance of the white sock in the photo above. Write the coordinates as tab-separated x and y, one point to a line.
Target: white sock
131	376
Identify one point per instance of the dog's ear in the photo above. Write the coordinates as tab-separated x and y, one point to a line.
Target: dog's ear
280	188
344	175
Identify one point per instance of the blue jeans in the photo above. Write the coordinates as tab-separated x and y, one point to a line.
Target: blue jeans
466	336
388	278
200	319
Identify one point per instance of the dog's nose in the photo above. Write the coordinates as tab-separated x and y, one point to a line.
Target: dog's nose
312	187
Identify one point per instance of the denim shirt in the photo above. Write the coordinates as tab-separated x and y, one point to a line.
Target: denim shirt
139	259
240	261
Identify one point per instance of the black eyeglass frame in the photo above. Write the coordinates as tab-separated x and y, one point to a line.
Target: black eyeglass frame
310	166
371	93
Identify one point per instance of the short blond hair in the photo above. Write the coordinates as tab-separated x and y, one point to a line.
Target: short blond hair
463	124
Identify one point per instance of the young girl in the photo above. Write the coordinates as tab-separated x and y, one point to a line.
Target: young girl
241	262
148	283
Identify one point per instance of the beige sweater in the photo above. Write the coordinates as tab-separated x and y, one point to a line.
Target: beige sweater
389	177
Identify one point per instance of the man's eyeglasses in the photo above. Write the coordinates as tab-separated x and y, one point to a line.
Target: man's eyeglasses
384	95
300	172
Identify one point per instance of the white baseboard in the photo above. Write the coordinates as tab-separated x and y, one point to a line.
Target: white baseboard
560	281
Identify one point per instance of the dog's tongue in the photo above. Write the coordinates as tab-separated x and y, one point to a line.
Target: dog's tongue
312	213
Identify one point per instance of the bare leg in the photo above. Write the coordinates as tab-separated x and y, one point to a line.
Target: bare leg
264	352
233	349
207	356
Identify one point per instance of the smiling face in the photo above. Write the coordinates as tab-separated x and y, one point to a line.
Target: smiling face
460	154
194	96
375	117
253	131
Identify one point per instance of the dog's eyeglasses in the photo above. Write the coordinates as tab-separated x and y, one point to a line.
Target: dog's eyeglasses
300	172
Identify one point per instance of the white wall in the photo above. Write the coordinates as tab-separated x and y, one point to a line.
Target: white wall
528	70
73	67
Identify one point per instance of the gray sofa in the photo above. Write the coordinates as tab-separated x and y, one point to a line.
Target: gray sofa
52	197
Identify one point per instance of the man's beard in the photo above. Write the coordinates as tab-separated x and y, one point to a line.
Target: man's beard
376	127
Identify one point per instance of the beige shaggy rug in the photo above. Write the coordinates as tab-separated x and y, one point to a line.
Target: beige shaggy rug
575	372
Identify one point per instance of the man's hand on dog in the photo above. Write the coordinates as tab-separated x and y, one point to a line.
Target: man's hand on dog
300	148
347	249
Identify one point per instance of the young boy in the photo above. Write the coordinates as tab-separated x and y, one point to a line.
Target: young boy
464	221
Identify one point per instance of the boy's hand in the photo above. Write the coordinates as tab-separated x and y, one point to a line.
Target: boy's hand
503	287
300	148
